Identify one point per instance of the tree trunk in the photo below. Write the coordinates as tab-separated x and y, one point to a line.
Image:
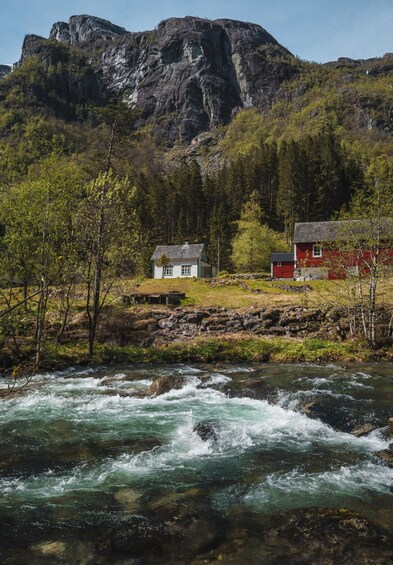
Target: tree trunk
372	305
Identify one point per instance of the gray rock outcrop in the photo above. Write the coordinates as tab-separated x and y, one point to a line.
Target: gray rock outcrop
85	28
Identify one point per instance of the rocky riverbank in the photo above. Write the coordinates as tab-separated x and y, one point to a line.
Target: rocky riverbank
286	334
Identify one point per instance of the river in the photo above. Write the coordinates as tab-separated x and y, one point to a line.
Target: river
93	470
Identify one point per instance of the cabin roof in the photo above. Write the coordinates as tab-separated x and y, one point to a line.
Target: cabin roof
283	257
185	251
313	232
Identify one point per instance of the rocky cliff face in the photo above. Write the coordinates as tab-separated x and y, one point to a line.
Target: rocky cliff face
188	76
5	70
85	28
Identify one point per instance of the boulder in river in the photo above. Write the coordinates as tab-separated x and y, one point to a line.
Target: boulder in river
332	411
165	384
363	429
206	430
389	431
386	455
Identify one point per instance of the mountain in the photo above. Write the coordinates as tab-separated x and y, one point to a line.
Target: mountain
187	76
192	75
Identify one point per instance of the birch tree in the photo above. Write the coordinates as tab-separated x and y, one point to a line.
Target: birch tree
37	218
110	241
108	223
366	247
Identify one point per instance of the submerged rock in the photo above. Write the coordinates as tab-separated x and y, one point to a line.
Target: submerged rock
139	535
177	499
330	535
55	551
165	384
181	527
128	498
50	548
315	536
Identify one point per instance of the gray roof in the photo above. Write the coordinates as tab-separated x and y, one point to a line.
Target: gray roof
283	257
186	251
316	232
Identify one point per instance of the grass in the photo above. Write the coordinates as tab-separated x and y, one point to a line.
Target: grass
200	293
225	349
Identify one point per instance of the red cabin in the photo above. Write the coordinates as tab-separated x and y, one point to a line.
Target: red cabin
317	256
283	265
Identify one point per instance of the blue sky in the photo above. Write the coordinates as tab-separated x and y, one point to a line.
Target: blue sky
318	30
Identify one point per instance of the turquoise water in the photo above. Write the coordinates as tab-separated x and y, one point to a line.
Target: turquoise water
84	451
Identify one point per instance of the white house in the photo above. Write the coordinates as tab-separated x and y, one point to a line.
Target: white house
188	260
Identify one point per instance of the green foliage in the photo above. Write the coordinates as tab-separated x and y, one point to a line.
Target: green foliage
316	178
44	202
163	260
212	350
254	242
108	209
245	132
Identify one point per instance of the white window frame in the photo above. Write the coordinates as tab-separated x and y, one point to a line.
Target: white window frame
279	264
168	271
183	270
317	251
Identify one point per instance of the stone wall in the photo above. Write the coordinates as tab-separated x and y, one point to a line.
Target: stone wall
291	321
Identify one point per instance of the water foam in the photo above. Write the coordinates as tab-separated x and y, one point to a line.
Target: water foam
299	488
217	379
292	400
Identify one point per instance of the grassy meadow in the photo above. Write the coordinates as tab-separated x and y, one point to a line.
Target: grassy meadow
201	293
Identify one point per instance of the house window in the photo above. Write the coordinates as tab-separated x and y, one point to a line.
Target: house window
278	263
186	270
316	251
168	271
